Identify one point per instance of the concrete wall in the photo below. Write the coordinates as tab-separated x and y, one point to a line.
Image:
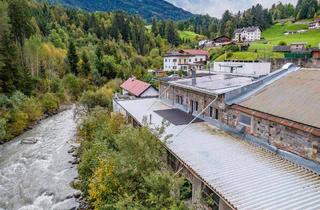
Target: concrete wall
151	92
243	68
288	139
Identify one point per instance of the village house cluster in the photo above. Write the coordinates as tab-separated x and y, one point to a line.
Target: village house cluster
242	136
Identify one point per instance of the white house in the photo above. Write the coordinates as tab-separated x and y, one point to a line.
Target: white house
315	24
185	60
247	34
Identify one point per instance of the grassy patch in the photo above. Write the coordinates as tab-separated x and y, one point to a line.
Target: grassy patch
249	56
190	35
275	34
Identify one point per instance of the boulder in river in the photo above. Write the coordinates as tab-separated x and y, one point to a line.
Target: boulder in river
30	140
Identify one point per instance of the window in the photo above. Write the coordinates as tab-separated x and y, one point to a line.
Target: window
196	59
174	60
192	106
165	60
216	114
245	120
179	99
196	106
211	111
189	60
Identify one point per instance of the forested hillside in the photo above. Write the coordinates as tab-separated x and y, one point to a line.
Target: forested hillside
50	55
145	8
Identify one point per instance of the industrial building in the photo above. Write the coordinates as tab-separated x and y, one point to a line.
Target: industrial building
233	138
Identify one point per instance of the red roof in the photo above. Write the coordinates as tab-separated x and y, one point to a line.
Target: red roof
196	52
135	87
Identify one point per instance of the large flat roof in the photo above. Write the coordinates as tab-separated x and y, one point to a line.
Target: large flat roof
215	83
295	97
244	175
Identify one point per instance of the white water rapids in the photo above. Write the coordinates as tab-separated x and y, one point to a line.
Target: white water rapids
37	176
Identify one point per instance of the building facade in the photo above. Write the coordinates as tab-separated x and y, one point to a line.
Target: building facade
185	60
247	34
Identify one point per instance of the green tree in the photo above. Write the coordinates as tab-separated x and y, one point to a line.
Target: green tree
154	27
172	34
306	9
85	65
20	18
73	58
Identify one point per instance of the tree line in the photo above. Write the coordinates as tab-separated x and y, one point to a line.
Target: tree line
50	55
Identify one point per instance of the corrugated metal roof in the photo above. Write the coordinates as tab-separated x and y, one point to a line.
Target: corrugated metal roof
295	97
246	176
135	87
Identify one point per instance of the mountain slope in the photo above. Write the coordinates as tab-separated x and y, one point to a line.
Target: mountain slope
144	8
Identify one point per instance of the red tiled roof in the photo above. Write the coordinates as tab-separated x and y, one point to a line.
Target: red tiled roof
196	52
135	87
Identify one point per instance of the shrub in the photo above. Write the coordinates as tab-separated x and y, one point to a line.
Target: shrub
50	103
56	86
102	98
18	122
3	129
114	85
282	43
4	101
33	108
17	99
72	85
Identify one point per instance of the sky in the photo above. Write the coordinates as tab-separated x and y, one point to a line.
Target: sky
216	8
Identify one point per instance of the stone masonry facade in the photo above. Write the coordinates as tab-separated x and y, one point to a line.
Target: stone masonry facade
296	141
299	142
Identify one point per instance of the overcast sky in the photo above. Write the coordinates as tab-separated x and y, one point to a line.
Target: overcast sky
217	7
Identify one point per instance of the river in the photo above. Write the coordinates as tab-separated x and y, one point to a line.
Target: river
38	176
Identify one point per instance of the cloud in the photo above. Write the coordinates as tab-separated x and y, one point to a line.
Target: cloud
217	7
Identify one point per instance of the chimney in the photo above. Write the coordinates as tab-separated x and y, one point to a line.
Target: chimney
194	76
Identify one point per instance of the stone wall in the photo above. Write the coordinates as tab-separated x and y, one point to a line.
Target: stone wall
203	99
283	137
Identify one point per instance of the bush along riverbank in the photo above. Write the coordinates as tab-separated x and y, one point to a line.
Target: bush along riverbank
120	166
20	112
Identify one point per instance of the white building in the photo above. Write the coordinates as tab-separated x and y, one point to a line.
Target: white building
315	24
248	34
254	69
185	60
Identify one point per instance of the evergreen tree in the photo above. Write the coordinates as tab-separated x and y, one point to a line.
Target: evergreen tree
85	67
20	18
306	9
73	58
154	27
172	34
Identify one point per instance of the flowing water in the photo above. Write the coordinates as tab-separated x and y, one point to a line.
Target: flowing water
37	176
